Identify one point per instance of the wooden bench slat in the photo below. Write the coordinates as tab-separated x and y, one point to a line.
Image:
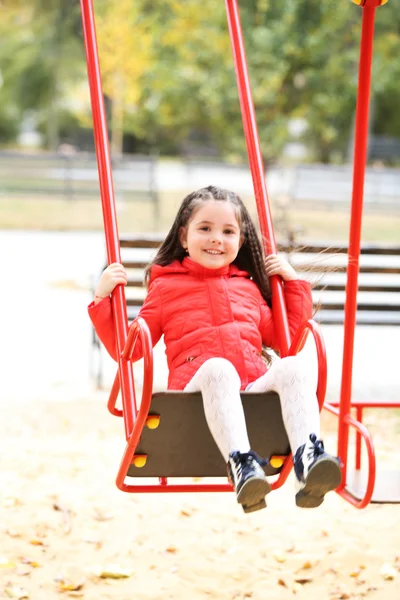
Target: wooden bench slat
335	317
366	249
363	287
138	263
325	269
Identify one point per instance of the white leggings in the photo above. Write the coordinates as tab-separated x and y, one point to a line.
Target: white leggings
293	378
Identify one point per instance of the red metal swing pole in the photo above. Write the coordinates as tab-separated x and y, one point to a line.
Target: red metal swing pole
108	206
350	309
257	169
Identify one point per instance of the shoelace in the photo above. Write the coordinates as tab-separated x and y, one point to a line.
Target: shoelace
318	448
261	461
247	457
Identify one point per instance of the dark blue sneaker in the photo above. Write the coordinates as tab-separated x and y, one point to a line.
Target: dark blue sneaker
248	478
316	473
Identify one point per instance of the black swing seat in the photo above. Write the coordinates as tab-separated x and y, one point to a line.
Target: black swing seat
182	445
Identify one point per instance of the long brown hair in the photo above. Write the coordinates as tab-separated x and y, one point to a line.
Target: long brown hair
250	256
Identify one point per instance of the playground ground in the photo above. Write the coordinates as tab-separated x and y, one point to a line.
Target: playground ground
67	532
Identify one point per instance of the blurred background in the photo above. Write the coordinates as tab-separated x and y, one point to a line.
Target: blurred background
174	126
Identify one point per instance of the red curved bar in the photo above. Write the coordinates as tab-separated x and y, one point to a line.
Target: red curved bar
297	345
257	168
166	488
363	431
139	326
112	400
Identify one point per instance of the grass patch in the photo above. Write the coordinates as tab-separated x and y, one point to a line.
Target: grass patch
53	213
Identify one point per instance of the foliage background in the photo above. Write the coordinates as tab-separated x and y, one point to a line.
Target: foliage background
169	79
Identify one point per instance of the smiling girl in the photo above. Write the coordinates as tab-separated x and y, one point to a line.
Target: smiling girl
209	295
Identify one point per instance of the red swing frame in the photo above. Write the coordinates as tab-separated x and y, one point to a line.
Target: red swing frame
135	420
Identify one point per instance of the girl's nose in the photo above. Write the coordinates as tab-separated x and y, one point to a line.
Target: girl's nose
216	238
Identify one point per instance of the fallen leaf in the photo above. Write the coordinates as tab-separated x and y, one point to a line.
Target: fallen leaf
186	513
324	533
355	573
282	582
307	565
296	587
71	578
66	516
15	591
65	586
99	515
341	593
279	556
24	570
28	561
11	501
36	542
5	563
112	572
388	572
303	580
13	533
93	540
171	550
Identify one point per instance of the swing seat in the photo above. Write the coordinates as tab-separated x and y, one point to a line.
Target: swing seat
170	438
181	444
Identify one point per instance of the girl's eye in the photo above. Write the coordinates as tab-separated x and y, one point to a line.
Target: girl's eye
230	231
205	228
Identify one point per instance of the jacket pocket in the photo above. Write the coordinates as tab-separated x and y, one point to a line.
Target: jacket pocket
188	356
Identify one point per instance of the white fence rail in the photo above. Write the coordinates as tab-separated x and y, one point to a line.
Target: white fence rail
75	176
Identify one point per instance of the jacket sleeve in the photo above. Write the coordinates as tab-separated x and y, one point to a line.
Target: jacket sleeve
102	318
299	308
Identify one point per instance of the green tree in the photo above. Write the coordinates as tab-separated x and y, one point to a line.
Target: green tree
168	70
125	48
41	55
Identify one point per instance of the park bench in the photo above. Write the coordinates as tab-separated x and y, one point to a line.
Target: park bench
325	267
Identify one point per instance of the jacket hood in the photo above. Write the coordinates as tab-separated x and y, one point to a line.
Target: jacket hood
189	267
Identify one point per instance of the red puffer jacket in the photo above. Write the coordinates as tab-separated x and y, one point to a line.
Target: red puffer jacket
205	313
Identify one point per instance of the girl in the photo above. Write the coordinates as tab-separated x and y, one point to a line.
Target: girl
209	295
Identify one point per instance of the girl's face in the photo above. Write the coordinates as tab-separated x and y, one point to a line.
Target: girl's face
212	236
